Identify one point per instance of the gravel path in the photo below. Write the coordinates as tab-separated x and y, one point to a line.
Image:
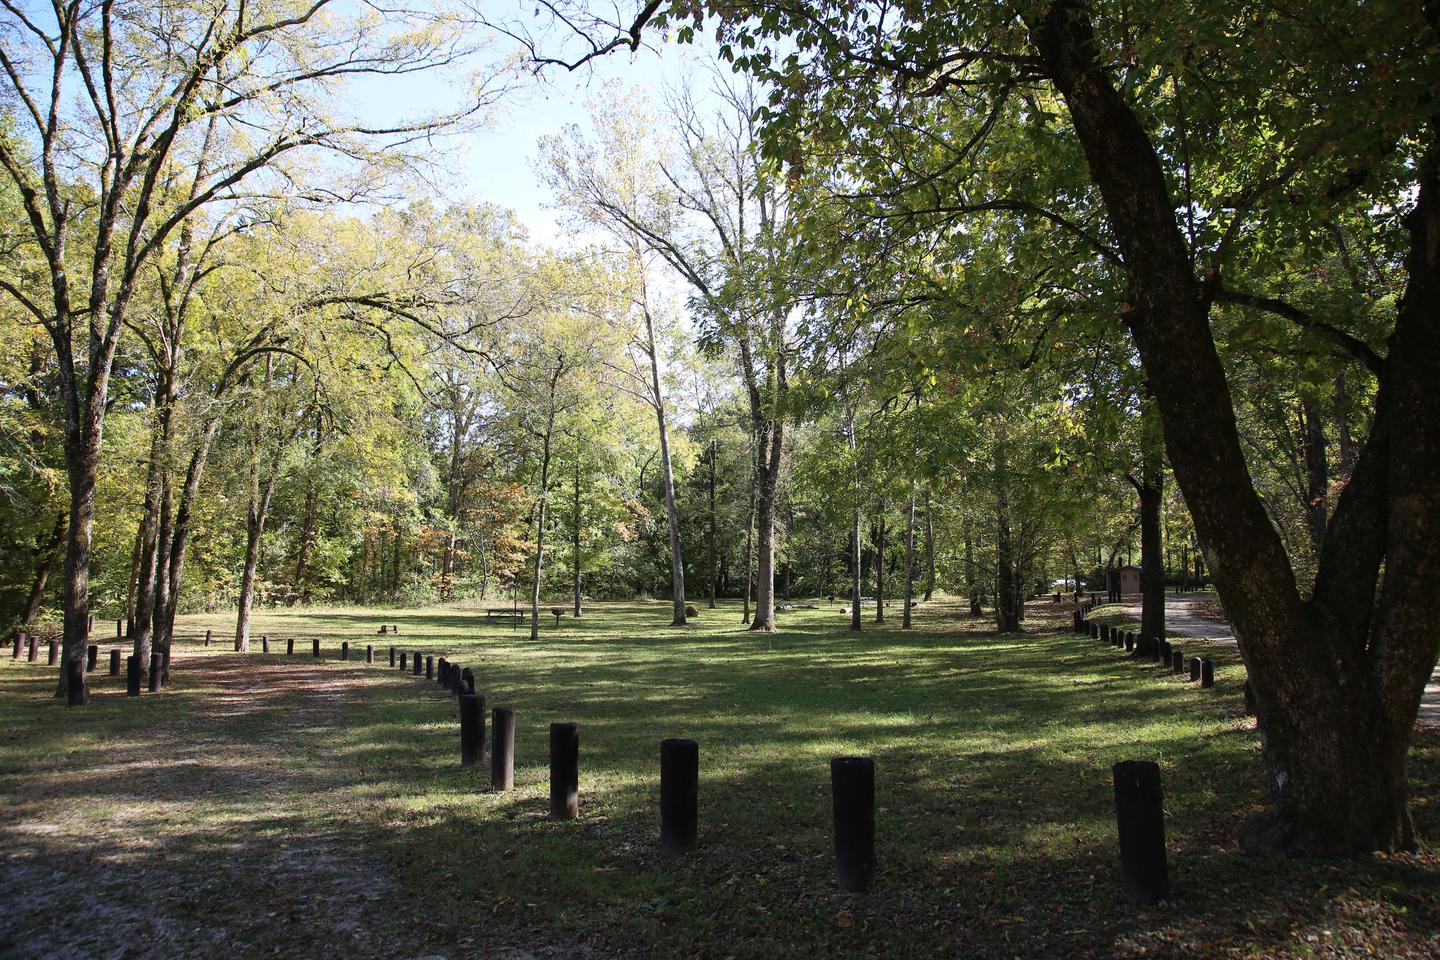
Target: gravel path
1182	616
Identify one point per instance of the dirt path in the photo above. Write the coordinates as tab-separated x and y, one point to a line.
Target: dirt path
1182	616
197	836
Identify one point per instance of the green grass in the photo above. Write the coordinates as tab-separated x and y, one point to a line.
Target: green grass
993	755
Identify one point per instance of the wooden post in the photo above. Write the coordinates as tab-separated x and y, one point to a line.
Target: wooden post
392	656
344	649
442	671
157	671
402	661
472	729
315	647
290	647
679	795
1177	661
92	656
19	642
467	681
852	793
115	662
54	652
369	653
120	629
564	771
416	664
502	749
1194	668
1140	816
265	643
1162	649
207	636
1207	672
132	676
429	668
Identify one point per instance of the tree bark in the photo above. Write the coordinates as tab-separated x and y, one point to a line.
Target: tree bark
880	564
1317	475
1338	678
575	530
542	502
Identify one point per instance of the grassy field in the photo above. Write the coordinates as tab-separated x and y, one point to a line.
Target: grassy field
274	806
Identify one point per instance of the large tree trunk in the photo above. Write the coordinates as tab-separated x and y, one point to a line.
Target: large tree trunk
1007	614
749	547
672	516
149	551
1152	571
256	516
180	538
1338	678
44	561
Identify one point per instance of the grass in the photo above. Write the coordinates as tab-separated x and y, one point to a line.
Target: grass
995	811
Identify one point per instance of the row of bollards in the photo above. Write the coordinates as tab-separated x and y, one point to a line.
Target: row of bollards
1160	650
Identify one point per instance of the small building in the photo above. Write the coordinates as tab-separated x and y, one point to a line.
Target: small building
1123	581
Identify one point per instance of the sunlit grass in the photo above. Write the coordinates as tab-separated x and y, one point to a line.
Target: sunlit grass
993	757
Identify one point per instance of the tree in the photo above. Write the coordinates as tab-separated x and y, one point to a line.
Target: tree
113	103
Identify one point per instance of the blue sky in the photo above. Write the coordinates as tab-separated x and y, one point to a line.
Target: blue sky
497	165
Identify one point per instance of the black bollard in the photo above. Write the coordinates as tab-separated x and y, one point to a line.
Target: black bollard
1129	642
369	653
1094	630
502	749
852	792
315	647
472	729
207	636
19	642
1105	632
392	656
429	667
1207	672
290	647
1194	668
679	795
119	628
1177	661
1140	815
564	771
132	676
467	681
54	652
344	649
402	661
418	666
30	654
1162	653
265	644
1154	650
74	683
442	667
157	671
92	657
115	662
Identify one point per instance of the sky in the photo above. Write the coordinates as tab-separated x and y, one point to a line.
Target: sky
497	164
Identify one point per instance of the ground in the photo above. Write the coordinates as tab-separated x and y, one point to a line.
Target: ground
278	806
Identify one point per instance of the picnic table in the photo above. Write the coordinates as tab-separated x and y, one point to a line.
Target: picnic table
505	616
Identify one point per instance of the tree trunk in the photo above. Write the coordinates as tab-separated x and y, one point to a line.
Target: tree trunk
1317	475
970	579
149	553
257	514
909	592
769	443
1152	573
749	547
880	564
929	547
540	506
575	530
45	561
714	539
1338	678
180	538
